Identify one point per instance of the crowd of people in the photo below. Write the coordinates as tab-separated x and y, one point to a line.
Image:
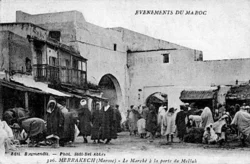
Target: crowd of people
101	124
60	125
189	124
147	122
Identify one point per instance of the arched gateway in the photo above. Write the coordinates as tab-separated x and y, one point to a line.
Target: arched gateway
157	99
111	89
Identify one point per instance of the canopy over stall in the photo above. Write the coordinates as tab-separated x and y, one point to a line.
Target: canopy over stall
197	95
200	98
29	82
16	86
238	94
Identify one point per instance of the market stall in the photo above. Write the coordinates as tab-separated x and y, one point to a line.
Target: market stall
238	94
200	98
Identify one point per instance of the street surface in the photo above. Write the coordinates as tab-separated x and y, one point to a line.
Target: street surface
132	149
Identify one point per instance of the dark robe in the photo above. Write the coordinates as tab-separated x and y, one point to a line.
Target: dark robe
108	130
181	123
33	126
96	121
69	126
145	112
55	122
118	119
151	122
84	115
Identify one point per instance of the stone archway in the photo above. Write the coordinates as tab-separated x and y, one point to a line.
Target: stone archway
111	89
157	99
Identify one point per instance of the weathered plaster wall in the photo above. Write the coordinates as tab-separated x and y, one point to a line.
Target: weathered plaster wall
148	68
69	16
102	61
4	50
140	42
13	52
148	72
19	50
24	29
21	31
97	45
54	22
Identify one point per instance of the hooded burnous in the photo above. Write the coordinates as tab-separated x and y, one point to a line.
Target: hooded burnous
55	120
85	119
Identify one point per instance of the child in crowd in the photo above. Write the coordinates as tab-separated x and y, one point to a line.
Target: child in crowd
141	124
209	136
169	123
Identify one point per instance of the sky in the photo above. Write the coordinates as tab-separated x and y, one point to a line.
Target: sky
223	33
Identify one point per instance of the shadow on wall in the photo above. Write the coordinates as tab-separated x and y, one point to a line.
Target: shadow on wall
111	89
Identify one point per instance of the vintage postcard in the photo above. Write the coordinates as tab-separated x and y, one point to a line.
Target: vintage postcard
124	82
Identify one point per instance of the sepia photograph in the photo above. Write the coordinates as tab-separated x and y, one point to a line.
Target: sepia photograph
124	82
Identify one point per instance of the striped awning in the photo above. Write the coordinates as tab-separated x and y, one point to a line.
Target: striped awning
197	95
29	82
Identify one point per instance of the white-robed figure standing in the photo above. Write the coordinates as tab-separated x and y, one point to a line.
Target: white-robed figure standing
132	116
206	117
169	124
160	118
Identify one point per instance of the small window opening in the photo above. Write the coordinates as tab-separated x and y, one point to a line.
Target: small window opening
200	57
53	61
165	58
67	63
75	63
114	47
28	65
55	35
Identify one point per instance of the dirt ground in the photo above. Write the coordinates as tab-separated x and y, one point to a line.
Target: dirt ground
132	149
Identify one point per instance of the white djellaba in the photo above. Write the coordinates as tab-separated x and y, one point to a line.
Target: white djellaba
3	137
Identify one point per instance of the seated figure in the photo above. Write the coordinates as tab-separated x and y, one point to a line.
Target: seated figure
209	136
